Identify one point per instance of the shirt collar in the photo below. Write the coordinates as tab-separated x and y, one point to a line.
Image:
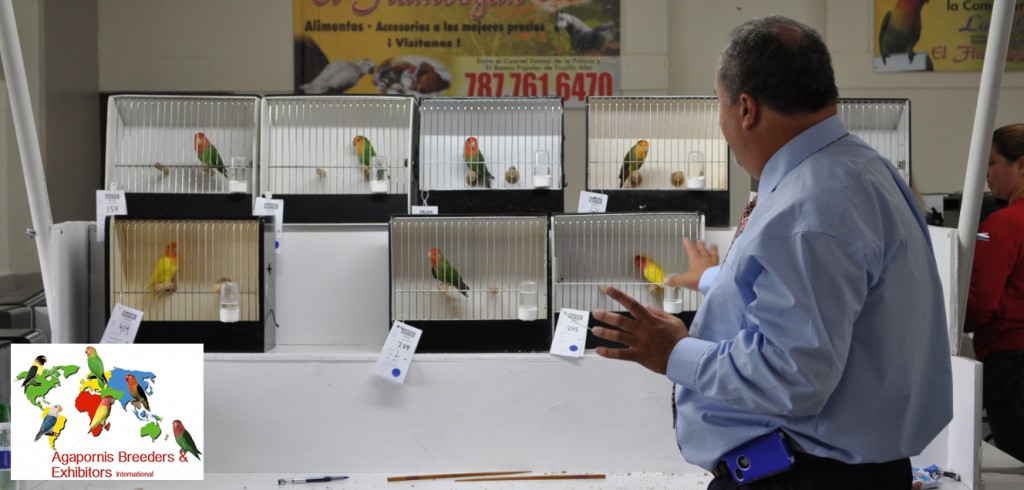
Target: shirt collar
798	149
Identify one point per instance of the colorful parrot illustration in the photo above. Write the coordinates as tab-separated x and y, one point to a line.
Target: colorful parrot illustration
633	160
166	268
136	391
184	440
652	272
338	76
901	29
33	372
208	154
102	412
96	366
49	421
365	153
443	271
475	161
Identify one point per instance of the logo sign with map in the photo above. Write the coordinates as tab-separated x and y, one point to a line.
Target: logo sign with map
107	412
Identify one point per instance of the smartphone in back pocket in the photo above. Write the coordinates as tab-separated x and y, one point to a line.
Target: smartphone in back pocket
759	457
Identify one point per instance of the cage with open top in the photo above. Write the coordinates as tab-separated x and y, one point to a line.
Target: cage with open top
183	155
338	159
491	155
472	283
208	281
882	123
658	154
632	252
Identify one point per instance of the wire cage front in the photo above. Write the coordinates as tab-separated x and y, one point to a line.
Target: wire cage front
196	281
630	252
183	156
658	154
338	159
472	283
882	123
490	155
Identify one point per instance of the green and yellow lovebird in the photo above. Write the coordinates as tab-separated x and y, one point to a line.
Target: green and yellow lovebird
633	160
96	366
184	440
33	372
652	272
365	153
444	272
475	161
208	154
901	29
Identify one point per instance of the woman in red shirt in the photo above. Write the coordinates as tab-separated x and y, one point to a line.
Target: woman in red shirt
995	303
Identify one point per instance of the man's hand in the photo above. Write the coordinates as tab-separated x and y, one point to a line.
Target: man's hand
649	336
701	258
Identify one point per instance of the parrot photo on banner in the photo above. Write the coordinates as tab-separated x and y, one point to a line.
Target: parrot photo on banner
901	29
338	76
136	391
208	154
96	366
444	272
652	272
633	160
33	372
184	440
49	421
166	268
102	412
365	153
475	162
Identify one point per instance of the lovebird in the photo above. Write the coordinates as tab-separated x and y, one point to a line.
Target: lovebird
166	267
208	154
364	151
652	272
49	421
96	366
102	412
135	389
475	161
443	271
633	160
184	440
901	29
33	372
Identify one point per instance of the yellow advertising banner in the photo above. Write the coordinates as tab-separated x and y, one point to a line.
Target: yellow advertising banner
940	35
474	48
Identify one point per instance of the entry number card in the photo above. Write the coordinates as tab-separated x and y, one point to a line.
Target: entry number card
108	203
570	333
592	202
123	325
396	356
275	208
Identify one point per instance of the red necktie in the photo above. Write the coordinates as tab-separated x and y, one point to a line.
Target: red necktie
749	208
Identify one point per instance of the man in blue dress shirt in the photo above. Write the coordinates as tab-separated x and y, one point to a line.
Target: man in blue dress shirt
826	320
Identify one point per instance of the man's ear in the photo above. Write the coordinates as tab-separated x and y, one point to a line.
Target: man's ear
750	111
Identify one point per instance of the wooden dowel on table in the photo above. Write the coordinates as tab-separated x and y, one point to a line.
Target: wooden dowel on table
537	477
440	476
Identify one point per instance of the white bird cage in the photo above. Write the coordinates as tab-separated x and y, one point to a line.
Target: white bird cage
591	252
520	139
196	281
153	153
686	166
309	156
501	260
884	124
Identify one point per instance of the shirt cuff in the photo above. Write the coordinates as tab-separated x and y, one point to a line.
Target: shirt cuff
684	360
707	279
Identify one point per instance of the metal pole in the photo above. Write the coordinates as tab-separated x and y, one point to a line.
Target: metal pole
28	145
981	143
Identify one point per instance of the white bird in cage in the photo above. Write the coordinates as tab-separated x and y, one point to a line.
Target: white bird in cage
338	76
